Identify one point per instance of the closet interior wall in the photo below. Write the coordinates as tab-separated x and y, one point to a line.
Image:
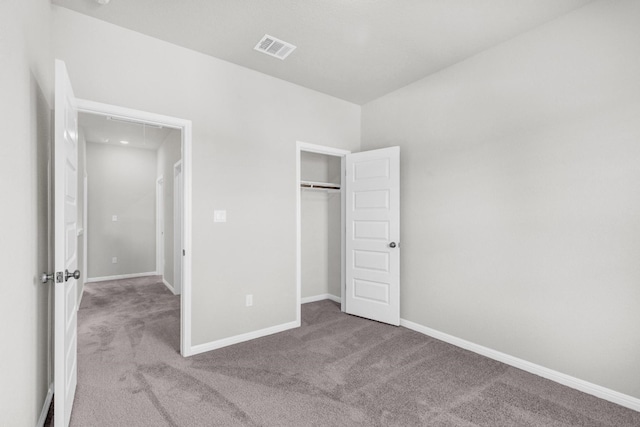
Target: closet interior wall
320	226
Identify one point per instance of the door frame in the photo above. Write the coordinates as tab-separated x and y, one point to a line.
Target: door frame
185	126
177	228
85	234
330	151
160	226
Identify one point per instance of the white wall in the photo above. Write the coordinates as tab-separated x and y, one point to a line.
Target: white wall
314	240
245	128
26	85
122	182
520	178
168	154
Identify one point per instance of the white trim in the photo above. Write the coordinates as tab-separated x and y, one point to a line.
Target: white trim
214	345
343	233
564	379
120	276
81	295
185	291
45	407
85	235
125	113
320	149
160	226
321	297
168	285
187	134
177	235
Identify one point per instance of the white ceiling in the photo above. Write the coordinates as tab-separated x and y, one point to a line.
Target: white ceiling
102	130
357	50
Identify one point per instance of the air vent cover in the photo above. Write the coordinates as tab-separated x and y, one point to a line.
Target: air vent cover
274	47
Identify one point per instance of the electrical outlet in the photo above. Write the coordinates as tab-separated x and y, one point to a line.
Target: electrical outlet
114	260
249	300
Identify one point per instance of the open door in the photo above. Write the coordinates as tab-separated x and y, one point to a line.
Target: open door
65	189
372	218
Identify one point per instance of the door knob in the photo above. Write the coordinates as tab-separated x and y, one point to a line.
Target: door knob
392	244
54	277
75	275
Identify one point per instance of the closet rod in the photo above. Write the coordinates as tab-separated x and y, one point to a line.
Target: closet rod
319	185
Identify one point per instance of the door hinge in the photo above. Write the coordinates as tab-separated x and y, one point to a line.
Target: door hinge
183	253
59	277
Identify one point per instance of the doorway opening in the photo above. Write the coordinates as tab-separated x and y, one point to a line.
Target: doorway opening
367	190
135	224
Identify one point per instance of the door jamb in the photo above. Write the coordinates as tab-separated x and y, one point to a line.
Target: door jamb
185	126
337	152
85	232
160	226
177	248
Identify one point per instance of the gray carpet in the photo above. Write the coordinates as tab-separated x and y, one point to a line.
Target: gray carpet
336	370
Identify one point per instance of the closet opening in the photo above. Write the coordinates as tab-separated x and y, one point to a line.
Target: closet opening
320	224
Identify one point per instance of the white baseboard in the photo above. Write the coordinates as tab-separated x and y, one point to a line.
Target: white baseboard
45	407
564	379
168	285
120	276
320	297
213	345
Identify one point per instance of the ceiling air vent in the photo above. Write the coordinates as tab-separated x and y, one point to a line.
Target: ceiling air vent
274	47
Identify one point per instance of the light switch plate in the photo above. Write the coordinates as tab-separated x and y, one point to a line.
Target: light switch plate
114	218
219	216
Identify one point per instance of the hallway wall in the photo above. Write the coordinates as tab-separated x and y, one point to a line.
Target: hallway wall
122	182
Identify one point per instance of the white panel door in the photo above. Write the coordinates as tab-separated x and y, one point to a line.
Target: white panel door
372	218
65	246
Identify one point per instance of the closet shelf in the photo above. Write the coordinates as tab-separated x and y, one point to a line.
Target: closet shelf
320	186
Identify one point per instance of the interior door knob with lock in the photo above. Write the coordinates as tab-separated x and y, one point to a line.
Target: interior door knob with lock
46	277
75	275
392	245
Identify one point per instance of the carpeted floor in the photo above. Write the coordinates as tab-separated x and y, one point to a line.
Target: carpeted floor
335	370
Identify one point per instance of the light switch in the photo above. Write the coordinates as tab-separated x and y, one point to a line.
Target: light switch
219	216
114	218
